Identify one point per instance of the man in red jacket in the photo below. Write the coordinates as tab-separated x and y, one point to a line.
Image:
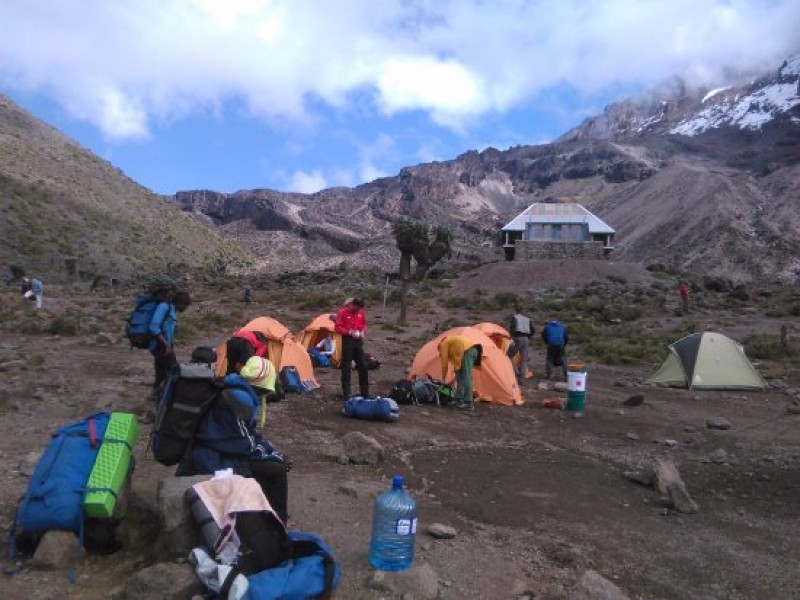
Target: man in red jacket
351	323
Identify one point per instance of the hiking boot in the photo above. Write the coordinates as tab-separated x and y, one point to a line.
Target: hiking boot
466	407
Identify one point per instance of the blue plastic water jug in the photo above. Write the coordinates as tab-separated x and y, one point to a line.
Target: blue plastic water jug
394	526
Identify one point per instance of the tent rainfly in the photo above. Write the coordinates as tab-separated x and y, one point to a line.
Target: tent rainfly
708	361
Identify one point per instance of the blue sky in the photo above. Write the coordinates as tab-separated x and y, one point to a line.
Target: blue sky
302	95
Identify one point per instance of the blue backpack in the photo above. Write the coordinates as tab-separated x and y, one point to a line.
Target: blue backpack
137	327
319	359
290	379
555	333
311	572
55	493
371	409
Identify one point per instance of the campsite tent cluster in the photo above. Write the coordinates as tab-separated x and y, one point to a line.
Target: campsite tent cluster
494	382
699	361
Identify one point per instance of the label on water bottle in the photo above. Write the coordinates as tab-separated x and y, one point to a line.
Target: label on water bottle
406	527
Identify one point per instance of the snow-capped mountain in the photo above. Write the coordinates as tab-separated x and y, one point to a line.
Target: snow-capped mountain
680	110
749	110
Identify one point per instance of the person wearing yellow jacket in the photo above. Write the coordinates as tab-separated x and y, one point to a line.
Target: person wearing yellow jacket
464	354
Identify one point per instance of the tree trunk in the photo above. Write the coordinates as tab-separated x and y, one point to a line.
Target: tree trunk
401	320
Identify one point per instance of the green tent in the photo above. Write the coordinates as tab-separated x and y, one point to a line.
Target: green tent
709	361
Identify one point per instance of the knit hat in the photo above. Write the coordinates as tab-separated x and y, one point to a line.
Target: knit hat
259	372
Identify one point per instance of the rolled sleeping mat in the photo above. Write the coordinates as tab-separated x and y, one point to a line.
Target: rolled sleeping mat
111	466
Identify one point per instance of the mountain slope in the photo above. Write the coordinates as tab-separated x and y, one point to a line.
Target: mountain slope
60	203
713	191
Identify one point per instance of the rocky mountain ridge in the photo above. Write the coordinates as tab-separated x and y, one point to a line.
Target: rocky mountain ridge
710	183
703	180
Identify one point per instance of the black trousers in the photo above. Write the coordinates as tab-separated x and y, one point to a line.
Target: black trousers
163	363
274	482
353	350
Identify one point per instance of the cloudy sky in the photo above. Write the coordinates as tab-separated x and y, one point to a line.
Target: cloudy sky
301	95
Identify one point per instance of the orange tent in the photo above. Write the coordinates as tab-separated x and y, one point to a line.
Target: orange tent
502	339
315	331
493	382
282	349
499	335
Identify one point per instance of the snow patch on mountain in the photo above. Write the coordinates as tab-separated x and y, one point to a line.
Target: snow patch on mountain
751	110
713	93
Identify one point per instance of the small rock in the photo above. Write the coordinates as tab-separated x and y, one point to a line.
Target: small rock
718	423
632	435
718	456
635	400
442	532
670	443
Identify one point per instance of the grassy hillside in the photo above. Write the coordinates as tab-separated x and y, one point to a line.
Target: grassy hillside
64	209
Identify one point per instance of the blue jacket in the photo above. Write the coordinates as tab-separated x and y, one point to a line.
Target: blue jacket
36	287
226	437
163	322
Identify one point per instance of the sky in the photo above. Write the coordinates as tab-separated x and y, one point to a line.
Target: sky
303	95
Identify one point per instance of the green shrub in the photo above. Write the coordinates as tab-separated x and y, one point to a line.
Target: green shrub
65	325
766	346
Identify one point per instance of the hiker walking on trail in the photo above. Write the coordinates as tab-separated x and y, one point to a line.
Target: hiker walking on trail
162	332
351	323
521	329
683	292
464	354
556	336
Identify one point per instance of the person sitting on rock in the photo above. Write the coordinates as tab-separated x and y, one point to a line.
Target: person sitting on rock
226	438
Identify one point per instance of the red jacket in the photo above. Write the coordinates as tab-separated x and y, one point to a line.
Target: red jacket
347	321
258	345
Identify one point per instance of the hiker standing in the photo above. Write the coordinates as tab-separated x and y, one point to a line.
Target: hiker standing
683	292
556	337
162	330
351	323
248	295
464	354
521	331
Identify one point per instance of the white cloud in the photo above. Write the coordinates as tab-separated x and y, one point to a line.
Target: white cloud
120	65
307	182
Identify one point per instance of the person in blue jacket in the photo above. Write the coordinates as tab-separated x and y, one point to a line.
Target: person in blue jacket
162	330
226	438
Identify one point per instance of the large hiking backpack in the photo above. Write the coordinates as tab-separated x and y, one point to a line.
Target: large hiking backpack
137	327
54	497
186	396
255	543
58	488
253	539
431	391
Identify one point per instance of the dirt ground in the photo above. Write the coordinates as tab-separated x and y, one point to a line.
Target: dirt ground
537	497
